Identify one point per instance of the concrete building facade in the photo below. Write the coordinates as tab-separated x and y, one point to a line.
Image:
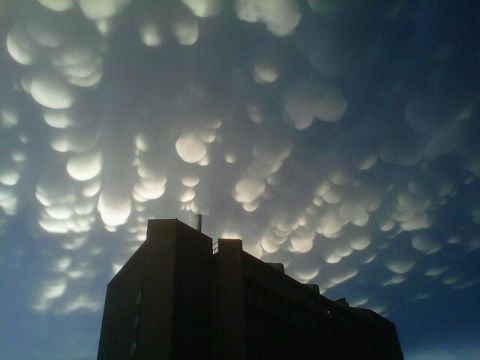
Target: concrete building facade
179	298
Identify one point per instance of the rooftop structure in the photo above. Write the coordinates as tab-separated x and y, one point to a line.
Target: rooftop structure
181	297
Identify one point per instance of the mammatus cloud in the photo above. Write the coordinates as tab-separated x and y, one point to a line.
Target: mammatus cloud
281	17
287	124
309	100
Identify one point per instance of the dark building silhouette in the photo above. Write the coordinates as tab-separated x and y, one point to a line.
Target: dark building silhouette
179	298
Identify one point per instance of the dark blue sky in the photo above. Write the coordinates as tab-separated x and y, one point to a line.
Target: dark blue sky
339	137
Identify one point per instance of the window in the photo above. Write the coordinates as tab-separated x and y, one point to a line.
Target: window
136	321
138	297
133	348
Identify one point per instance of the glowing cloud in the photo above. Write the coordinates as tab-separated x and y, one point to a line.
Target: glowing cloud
265	74
51	91
302	241
400	266
57	5
52	289
360	243
84	167
114	209
186	31
204	8
114	112
308	99
330	224
343	275
425	245
150	33
248	190
20	47
99	10
280	16
190	148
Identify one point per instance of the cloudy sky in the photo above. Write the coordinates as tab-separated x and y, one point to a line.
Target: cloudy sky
340	137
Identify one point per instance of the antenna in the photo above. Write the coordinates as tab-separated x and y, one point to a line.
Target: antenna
199	222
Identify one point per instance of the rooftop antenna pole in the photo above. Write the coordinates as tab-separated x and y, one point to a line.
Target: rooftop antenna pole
199	222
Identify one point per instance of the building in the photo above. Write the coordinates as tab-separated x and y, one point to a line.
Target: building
179	298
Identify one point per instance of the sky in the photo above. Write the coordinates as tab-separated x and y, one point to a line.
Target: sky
338	137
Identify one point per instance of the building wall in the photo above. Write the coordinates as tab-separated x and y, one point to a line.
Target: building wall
174	299
192	302
157	300
228	299
158	305
286	318
122	310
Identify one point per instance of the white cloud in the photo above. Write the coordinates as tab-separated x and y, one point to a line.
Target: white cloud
248	190
204	8
185	31
190	148
114	209
280	16
150	33
394	280
425	244
400	267
57	5
214	131
51	91
360	243
307	99
84	167
52	289
21	47
265	73
100	10
81	303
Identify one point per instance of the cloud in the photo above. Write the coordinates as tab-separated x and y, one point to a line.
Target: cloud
280	16
95	10
51	290
349	154
190	148
445	354
150	33
425	245
400	266
204	8
307	99
57	5
51	91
